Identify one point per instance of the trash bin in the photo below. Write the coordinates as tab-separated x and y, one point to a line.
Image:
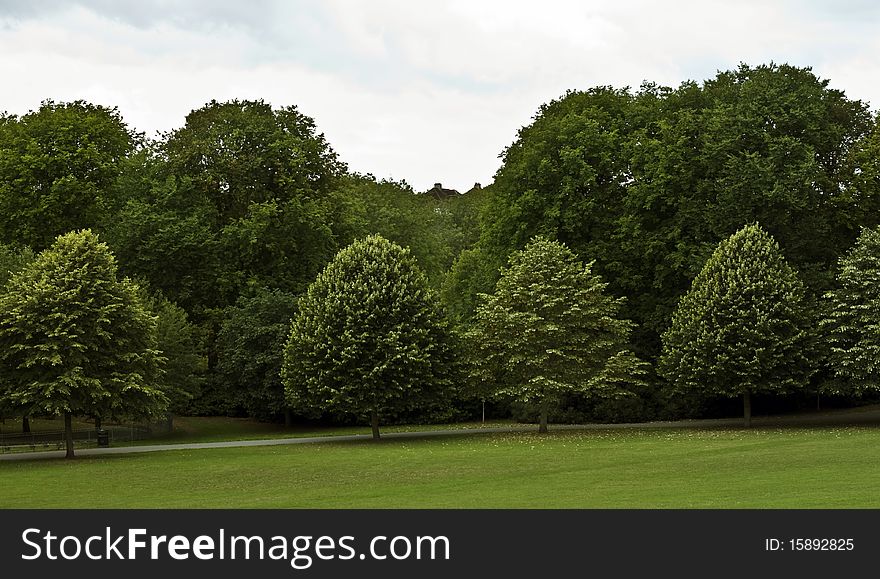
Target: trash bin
103	438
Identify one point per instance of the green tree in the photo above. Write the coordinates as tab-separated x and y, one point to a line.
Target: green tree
74	339
241	152
56	166
650	182
178	343
251	349
550	330
394	211
12	260
238	197
852	323
164	233
744	327
468	278
369	338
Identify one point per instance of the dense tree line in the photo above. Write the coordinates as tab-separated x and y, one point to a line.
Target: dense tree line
227	224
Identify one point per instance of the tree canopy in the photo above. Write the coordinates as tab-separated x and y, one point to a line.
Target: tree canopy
233	215
251	345
75	339
56	166
744	327
649	182
368	338
852	323
550	329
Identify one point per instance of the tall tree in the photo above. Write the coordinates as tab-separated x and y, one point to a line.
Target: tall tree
241	152
368	338
181	356
12	260
240	196
650	182
393	210
852	323
251	348
74	339
550	330
56	166
744	327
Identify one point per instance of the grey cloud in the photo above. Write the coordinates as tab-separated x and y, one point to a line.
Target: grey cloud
254	15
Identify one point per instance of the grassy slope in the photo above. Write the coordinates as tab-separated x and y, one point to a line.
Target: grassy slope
816	467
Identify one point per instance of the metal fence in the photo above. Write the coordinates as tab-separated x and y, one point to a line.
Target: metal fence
54	440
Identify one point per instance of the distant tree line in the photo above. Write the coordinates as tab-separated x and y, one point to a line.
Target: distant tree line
633	246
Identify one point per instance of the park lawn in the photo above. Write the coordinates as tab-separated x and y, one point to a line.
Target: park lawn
623	468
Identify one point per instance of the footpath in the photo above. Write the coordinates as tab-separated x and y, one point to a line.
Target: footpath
855	416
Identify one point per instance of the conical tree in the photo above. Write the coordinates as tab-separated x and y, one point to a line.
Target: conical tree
76	340
852	322
368	338
550	329
744	326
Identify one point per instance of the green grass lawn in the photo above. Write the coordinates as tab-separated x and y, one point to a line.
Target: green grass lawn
667	468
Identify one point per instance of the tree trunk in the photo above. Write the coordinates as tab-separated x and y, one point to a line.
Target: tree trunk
68	434
374	421
98	423
484	412
169	421
288	418
747	409
542	427
25	425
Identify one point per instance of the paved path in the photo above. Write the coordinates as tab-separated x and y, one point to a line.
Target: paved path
266	442
869	415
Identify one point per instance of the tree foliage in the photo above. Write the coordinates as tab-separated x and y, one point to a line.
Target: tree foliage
241	152
12	260
180	349
550	330
852	323
251	349
650	182
393	210
239	197
74	339
744	327
368	338
56	166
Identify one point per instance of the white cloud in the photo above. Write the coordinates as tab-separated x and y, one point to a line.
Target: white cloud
424	91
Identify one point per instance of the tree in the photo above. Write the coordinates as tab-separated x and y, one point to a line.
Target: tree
238	198
550	329
852	323
179	346
56	166
74	339
368	337
650	182
12	260
744	326
251	350
241	152
394	211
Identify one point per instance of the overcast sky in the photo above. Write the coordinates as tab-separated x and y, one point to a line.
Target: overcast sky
422	90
